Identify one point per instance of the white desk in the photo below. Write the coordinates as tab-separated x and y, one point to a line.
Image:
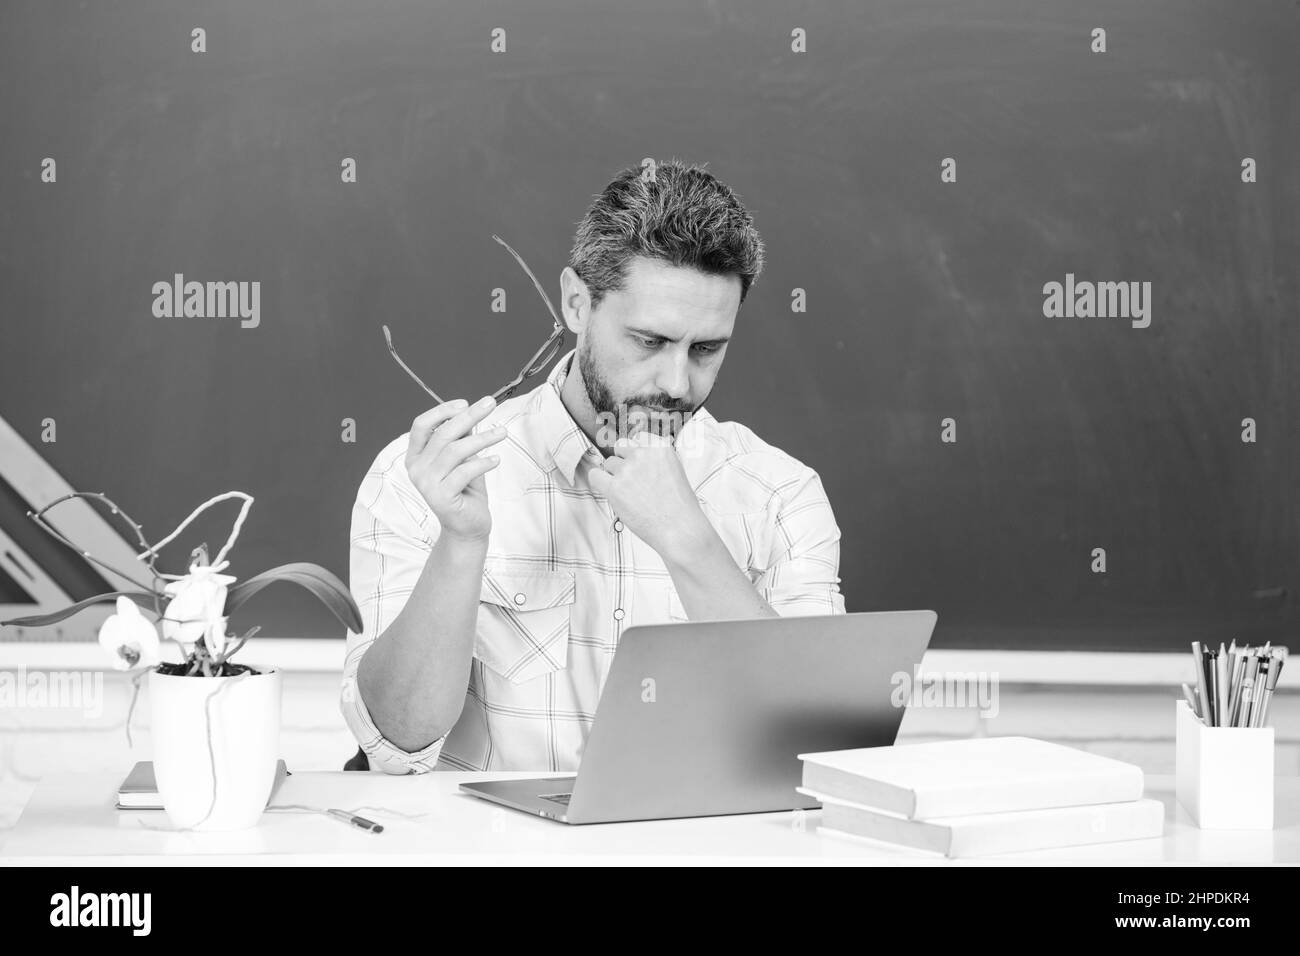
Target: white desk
71	820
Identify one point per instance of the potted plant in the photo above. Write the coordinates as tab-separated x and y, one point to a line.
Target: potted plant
215	723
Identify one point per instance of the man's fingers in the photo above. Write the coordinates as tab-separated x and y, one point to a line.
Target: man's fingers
425	423
459	425
463	423
613	465
642	439
453	453
464	473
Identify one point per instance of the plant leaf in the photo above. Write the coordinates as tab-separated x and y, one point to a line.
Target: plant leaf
142	598
327	588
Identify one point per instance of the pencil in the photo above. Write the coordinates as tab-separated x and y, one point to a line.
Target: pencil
1202	694
1274	673
1248	691
1212	679
1234	699
1221	686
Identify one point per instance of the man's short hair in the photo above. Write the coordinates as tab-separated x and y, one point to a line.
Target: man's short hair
683	215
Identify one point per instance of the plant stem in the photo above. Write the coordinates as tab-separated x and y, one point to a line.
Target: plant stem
39	517
135	694
59	536
234	533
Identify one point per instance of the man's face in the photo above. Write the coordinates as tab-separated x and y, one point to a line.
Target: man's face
654	349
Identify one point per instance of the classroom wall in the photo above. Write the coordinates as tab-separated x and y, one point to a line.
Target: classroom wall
924	297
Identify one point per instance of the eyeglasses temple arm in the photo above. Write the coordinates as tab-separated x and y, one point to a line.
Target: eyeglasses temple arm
388	337
523	374
537	285
558	331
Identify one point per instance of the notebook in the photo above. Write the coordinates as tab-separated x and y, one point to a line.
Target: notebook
139	791
982	834
982	775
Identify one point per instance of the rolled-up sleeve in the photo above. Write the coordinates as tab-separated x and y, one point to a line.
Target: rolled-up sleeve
392	534
802	576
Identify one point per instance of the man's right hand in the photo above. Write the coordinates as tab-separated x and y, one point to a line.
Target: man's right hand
444	464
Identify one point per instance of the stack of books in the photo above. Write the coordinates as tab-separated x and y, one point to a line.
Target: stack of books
975	797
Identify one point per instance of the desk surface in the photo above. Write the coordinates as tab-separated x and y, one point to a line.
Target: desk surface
71	819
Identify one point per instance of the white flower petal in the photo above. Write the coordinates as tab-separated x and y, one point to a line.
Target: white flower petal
110	635
150	652
196	611
128	637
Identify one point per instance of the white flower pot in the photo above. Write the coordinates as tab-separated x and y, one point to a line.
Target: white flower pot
242	722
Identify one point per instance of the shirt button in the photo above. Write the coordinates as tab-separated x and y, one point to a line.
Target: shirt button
618	525
618	614
519	598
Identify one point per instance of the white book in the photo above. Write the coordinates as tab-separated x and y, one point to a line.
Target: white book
139	791
981	775
986	833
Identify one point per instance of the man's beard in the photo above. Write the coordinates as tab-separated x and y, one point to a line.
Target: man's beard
659	413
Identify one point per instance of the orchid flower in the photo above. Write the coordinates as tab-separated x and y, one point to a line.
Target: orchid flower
198	604
196	609
130	639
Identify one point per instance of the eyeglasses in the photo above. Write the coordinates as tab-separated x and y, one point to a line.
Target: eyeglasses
541	358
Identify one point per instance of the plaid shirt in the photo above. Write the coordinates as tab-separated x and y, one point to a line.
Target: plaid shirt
564	578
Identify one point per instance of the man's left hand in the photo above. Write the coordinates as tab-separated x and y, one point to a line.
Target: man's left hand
648	490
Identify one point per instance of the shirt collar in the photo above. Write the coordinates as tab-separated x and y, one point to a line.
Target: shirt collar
566	442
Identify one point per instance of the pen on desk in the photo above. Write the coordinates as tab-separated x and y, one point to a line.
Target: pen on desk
356	821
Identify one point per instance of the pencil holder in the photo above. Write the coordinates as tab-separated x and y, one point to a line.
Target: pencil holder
1225	774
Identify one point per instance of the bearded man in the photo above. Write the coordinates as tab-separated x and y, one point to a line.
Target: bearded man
499	551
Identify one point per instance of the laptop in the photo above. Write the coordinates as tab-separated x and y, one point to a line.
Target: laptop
707	718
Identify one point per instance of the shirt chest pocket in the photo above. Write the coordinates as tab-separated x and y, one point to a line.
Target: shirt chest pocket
523	622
